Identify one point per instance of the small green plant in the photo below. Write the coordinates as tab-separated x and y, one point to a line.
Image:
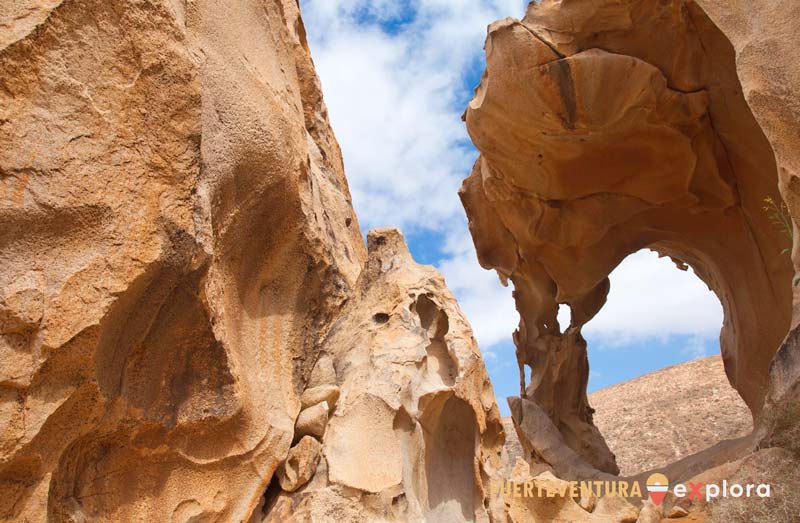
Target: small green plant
779	216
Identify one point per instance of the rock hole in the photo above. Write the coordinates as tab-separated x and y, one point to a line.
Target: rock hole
435	322
656	337
450	432
564	316
380	318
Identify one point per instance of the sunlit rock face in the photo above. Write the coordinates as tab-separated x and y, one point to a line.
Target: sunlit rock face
188	319
763	33
175	238
414	432
604	128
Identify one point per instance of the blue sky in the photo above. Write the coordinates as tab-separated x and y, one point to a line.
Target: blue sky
396	75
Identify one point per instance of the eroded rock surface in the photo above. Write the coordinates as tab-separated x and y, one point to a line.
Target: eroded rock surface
176	238
415	433
763	34
176	243
605	128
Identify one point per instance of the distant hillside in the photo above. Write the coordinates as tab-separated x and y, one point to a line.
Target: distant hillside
660	417
663	416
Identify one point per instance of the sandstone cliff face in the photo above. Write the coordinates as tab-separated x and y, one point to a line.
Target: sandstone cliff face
605	128
176	241
176	234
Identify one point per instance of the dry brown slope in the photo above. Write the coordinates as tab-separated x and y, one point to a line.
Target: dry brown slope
663	416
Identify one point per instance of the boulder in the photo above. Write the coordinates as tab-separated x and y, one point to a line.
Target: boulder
300	464
312	421
318	394
677	512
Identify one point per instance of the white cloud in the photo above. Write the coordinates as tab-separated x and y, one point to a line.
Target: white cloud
650	297
395	98
487	304
696	347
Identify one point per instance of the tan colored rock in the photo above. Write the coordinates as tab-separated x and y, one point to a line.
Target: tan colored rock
323	373
588	501
176	243
763	34
616	508
416	432
512	449
312	421
176	237
543	441
315	395
650	513
21	305
300	464
604	128
363	450
677	512
546	509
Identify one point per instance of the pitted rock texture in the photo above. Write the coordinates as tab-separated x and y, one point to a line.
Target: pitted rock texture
190	329
605	128
415	433
176	236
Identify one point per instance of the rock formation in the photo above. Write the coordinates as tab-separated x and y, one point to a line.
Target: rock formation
176	243
415	433
191	328
605	128
176	237
763	35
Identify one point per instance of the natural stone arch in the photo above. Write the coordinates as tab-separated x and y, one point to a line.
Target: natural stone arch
606	129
